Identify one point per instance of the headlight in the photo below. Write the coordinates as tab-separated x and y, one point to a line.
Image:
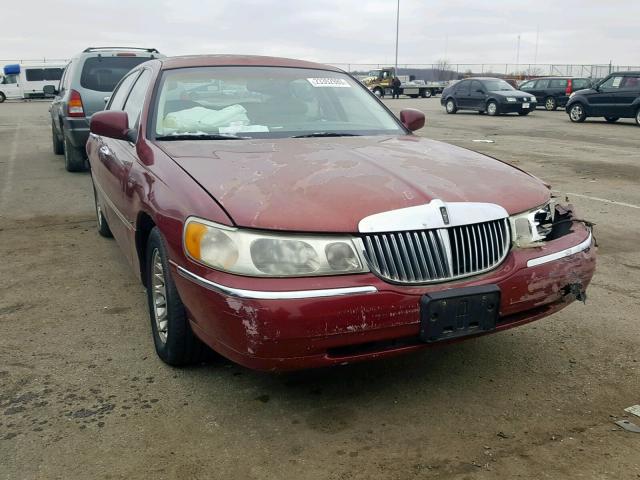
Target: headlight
253	253
511	99
531	227
534	100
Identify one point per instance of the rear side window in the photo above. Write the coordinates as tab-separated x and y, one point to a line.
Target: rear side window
43	74
557	83
631	83
580	83
103	73
463	88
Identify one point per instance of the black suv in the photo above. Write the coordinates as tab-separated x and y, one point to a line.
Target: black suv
615	97
554	92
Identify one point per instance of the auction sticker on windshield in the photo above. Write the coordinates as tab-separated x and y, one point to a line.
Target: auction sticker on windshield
329	82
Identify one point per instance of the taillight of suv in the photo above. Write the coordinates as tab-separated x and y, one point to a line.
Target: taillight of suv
569	89
74	106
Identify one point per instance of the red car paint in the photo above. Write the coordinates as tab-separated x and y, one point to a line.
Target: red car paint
315	185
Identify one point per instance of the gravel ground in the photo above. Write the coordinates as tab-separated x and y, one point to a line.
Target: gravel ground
82	394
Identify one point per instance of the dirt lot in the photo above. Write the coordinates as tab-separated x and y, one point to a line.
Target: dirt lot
82	394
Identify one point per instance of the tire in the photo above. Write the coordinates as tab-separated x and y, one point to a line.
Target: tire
427	94
172	335
577	113
378	92
58	146
524	113
612	119
101	222
492	108
638	117
550	104
73	157
414	96
450	106
3	97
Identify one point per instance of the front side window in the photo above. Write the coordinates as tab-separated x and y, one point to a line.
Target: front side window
497	85
527	86
120	94
135	100
102	74
267	102
612	83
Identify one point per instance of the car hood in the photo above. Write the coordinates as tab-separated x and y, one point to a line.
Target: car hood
330	184
511	93
586	91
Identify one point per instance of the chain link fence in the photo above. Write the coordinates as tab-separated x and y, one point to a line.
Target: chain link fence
439	72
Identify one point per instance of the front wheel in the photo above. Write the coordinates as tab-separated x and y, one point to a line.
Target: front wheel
577	113
3	97
450	106
172	335
550	104
427	94
612	119
492	108
378	92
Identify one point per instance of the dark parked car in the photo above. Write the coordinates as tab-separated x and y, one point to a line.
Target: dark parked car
88	78
493	96
615	97
553	92
279	213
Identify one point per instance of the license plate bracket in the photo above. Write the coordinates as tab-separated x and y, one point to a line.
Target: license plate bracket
458	312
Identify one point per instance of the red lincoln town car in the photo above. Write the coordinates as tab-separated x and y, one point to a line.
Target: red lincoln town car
280	214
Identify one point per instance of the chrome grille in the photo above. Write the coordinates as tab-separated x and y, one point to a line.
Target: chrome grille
424	256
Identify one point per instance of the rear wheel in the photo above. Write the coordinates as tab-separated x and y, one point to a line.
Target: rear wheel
612	119
638	117
550	104
450	106
577	113
3	97
378	92
73	158
172	335
58	146
427	94
492	108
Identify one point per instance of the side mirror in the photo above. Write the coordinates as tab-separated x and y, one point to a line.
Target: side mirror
49	90
110	123
412	119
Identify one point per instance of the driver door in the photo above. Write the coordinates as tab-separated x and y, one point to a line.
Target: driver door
603	103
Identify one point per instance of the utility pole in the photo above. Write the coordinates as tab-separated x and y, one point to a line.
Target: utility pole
397	33
535	58
518	54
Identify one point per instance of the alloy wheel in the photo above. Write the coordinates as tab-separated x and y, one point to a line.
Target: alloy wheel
492	108
576	113
550	104
450	106
159	296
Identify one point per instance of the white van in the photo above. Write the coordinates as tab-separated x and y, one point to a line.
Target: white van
27	81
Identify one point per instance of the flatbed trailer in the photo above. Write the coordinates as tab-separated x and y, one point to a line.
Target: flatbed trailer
379	82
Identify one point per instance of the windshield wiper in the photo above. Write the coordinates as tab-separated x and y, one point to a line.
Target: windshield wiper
326	134
202	136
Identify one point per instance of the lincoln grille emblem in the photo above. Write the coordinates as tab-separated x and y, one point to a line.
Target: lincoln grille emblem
445	215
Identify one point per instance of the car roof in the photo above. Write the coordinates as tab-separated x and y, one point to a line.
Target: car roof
624	73
239	60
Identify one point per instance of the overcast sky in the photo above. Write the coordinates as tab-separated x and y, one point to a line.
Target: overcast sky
332	31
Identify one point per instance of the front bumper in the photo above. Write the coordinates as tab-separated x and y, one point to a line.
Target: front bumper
281	324
506	107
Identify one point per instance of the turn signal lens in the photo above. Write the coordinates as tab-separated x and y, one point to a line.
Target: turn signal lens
192	239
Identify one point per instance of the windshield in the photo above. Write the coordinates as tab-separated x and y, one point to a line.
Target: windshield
374	73
496	85
266	102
